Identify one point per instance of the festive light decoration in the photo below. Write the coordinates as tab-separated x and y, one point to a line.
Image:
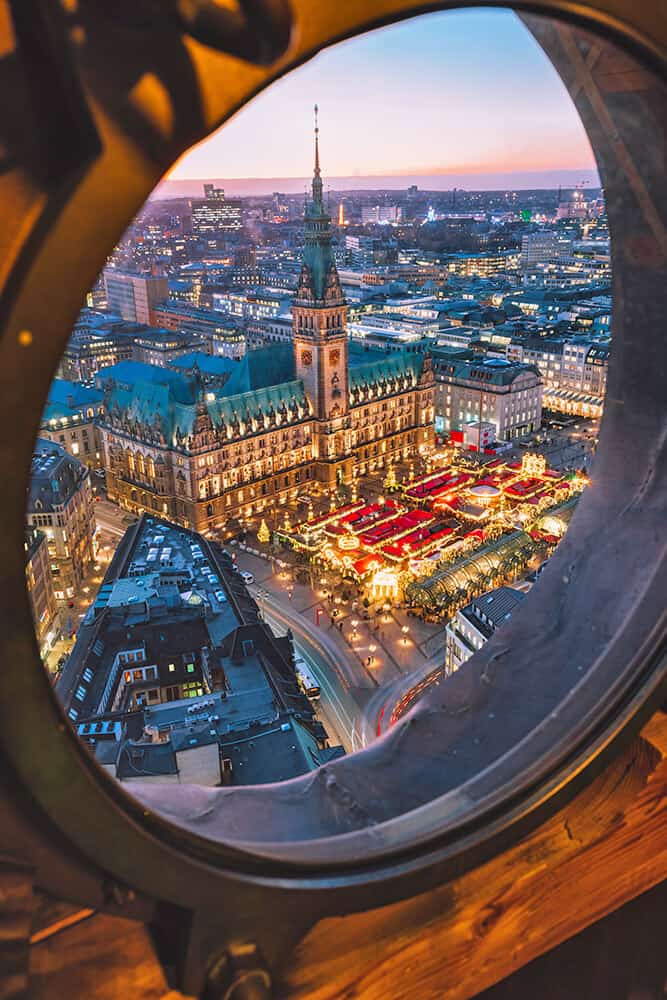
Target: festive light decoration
263	534
390	483
533	465
348	542
384	585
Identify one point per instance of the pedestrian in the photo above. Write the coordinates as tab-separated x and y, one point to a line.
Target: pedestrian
340	626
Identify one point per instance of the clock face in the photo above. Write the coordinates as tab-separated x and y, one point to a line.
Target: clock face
334	357
306	357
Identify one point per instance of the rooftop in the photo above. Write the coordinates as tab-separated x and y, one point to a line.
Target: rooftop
54	477
488	612
175	597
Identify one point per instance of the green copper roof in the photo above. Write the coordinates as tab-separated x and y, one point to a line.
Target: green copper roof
153	404
319	270
396	365
264	367
150	404
251	408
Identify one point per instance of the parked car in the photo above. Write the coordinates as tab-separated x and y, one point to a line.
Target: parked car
221	597
100	473
247	578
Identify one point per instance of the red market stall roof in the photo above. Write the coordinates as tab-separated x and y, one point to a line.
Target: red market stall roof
475	533
413	543
369	515
331	515
396	526
367	563
439	484
523	488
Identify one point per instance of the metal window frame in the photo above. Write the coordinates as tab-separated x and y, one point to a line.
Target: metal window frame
85	836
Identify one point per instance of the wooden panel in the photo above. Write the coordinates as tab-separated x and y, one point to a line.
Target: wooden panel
606	847
103	958
16	904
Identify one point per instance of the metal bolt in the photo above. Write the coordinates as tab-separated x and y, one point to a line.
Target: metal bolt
238	974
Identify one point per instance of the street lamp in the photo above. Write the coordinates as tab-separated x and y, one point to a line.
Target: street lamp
371	650
405	629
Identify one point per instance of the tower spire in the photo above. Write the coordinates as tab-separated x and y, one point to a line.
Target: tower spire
317	176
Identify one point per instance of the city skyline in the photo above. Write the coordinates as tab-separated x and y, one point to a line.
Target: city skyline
506	120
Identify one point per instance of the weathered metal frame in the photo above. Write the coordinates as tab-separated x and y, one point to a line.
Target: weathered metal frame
365	846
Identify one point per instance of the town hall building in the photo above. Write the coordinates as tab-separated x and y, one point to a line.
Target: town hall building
320	410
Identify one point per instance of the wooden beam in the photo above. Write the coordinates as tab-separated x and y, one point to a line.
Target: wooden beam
605	848
16	908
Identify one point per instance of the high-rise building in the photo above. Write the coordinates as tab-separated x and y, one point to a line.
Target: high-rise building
380	214
134	296
216	214
539	248
60	504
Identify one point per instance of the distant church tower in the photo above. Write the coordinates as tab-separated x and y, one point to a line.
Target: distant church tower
319	319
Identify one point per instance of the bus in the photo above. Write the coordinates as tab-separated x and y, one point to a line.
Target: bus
306	680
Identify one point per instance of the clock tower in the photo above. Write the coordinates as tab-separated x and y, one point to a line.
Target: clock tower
319	319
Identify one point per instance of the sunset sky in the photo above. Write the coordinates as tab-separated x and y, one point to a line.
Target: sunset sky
465	94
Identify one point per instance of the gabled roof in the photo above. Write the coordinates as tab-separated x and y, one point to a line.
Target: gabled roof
156	404
249	406
55	477
369	368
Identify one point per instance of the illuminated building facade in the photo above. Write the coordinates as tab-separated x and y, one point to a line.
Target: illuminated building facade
474	624
218	334
60	504
134	296
492	390
159	347
97	341
69	419
39	584
214	213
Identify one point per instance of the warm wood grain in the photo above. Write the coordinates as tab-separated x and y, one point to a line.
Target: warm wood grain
104	958
16	906
606	847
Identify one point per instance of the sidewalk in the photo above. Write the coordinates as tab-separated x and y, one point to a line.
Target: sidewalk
378	644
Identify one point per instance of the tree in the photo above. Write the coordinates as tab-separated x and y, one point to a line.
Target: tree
263	535
390	483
